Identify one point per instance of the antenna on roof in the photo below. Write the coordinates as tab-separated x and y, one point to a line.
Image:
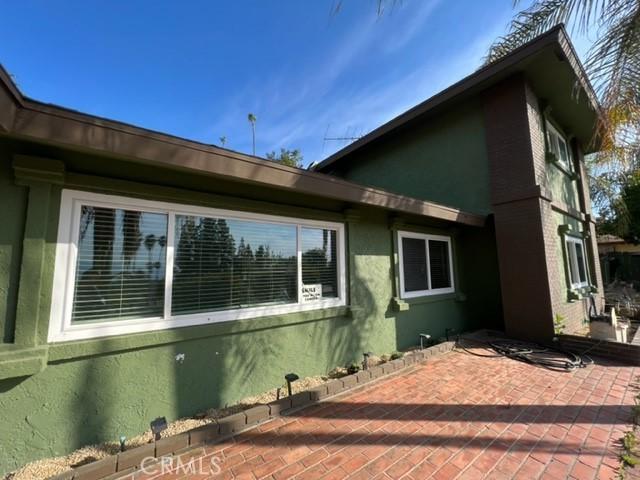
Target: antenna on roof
346	138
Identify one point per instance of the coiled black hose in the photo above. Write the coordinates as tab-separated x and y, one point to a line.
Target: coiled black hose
553	358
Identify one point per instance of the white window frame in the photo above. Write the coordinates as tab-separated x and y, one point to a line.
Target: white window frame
572	263
554	132
60	326
429	291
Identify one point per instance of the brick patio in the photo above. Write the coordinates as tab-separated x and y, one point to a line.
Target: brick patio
458	416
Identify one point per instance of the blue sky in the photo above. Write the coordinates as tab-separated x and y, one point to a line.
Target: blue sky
196	69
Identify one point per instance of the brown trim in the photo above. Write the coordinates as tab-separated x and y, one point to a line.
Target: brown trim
41	122
555	36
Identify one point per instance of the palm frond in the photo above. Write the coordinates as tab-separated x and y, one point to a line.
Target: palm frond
540	17
614	67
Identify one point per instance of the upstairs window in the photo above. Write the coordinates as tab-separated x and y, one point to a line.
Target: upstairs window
559	147
125	265
577	262
426	266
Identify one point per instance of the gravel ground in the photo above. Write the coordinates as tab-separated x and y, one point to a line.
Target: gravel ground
45	468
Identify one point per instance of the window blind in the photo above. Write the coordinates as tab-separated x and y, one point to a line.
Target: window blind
223	264
120	267
319	260
439	268
414	261
210	266
582	271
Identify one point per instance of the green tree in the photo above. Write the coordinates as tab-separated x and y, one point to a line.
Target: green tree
291	158
613	65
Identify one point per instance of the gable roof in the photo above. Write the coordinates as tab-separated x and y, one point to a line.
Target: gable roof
28	119
549	49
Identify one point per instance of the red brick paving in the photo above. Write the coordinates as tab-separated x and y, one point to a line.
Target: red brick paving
458	416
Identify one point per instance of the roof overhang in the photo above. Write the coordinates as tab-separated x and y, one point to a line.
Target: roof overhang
26	119
551	66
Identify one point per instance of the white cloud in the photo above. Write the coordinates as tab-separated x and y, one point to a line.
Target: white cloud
294	108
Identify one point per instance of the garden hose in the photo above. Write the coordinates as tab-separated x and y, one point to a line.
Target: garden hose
534	354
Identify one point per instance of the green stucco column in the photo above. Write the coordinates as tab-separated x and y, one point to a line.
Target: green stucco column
39	176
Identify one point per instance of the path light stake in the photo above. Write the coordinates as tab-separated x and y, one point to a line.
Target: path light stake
158	426
278	393
424	338
447	331
365	362
290	378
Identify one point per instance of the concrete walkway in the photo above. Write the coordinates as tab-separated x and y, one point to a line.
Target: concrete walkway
459	416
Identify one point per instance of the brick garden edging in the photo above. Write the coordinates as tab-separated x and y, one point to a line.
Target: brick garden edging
128	462
626	353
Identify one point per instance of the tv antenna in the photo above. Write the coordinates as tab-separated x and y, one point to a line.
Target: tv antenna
350	135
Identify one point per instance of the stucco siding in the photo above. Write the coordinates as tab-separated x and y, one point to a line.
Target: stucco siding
97	390
442	159
13	200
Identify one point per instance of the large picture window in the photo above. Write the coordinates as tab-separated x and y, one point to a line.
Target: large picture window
426	266
125	265
577	262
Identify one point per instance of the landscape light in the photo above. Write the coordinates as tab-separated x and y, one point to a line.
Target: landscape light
365	362
158	426
424	338
290	378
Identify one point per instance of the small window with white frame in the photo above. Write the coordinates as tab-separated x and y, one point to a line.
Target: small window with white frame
425	264
557	145
125	265
577	262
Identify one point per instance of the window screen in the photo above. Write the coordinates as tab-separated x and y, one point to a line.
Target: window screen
223	264
319	262
439	264
120	268
414	262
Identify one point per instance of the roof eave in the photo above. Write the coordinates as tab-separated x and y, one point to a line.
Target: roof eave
45	123
478	80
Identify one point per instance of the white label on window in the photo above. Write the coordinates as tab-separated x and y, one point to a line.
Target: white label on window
311	293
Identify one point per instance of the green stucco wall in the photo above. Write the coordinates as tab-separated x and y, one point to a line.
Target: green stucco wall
97	390
14	202
421	161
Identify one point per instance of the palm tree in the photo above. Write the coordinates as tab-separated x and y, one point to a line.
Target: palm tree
252	120
223	141
613	65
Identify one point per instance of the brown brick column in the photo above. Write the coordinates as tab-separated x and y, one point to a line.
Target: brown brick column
528	219
520	209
